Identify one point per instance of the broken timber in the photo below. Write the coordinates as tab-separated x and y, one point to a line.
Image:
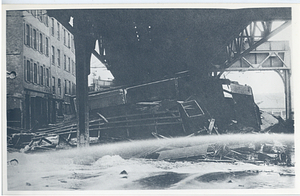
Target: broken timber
172	107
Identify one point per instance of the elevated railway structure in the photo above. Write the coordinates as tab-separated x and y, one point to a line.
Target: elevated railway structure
144	45
269	56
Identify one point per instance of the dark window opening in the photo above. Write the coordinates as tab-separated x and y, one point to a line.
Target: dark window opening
47	47
27	35
27	73
41	43
65	62
52	27
59	86
53	55
42	75
66	87
69	64
34	39
69	40
35	74
58	31
64	36
58	57
53	85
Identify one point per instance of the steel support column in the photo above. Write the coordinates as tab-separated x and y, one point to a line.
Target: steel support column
287	90
84	45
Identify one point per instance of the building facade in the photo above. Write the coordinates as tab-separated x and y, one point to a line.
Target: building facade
42	54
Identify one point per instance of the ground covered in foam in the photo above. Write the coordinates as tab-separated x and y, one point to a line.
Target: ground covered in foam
120	167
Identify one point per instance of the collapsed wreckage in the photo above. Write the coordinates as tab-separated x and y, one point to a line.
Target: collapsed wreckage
182	106
175	107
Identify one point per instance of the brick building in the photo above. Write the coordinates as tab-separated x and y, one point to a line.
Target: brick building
41	53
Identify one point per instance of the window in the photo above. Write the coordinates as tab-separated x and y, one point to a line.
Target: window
52	27
47	76
65	62
68	40
37	40
34	38
35	74
69	87
53	55
47	46
66	83
58	57
72	43
53	85
41	42
58	31
27	34
44	78
64	36
46	21
73	88
31	70
69	64
73	67
59	86
38	74
41	75
27	70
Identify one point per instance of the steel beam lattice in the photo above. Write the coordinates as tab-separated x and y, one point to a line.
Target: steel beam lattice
255	34
246	44
269	56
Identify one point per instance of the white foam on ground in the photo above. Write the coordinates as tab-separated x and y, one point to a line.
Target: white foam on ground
99	167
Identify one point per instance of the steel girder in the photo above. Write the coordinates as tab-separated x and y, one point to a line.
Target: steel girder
252	36
266	57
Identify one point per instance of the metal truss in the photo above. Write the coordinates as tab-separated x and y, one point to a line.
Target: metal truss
101	54
269	56
264	59
256	33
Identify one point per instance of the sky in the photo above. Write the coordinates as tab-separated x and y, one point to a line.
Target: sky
261	82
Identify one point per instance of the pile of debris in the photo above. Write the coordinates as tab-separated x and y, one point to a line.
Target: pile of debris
255	153
64	136
182	106
275	124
